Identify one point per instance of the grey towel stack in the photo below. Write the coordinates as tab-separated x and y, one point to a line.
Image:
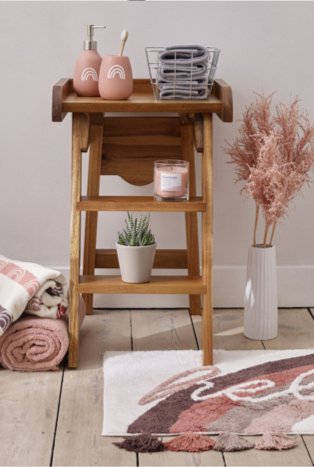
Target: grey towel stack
183	72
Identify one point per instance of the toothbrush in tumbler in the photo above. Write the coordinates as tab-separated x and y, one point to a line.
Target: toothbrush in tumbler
124	37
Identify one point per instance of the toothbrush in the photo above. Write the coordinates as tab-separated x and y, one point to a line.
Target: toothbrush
124	37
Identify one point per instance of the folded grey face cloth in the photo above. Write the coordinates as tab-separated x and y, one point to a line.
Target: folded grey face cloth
183	92
182	95
182	86
183	55
188	72
181	82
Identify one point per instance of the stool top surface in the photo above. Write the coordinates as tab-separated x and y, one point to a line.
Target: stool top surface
142	100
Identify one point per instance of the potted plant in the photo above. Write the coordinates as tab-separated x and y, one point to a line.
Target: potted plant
273	154
136	247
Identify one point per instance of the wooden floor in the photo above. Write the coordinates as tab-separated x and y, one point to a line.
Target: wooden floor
55	418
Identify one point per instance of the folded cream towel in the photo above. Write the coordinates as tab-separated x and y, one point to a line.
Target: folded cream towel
29	286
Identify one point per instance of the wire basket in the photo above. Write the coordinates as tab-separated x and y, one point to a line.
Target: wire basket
185	73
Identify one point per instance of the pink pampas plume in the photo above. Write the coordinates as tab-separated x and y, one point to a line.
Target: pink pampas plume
273	157
256	124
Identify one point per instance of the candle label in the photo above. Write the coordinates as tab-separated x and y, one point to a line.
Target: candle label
170	181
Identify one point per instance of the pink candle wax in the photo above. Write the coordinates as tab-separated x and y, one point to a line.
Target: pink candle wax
171	181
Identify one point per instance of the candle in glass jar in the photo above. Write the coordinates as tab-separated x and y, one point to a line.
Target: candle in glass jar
171	180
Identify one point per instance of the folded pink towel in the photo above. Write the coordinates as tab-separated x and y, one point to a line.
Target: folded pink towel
34	344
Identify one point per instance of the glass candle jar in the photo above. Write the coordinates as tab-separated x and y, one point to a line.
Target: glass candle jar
171	180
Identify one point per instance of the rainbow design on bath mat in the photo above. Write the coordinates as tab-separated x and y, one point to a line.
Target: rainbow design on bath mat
274	395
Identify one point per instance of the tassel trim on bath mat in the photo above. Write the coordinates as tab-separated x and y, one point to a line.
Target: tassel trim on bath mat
190	442
276	442
232	442
141	443
193	442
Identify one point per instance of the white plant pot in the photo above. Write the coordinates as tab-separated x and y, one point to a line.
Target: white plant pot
136	262
260	300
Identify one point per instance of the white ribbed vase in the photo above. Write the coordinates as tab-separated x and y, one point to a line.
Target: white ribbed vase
261	299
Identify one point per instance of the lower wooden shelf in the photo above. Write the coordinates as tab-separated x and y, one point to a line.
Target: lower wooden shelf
157	285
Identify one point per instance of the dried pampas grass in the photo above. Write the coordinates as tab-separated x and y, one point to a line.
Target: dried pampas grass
273	155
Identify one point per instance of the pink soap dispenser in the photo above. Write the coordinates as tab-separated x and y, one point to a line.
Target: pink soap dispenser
86	73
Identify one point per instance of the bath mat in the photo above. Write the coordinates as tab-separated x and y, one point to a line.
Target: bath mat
245	392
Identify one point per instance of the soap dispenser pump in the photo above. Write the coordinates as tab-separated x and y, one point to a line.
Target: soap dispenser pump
86	73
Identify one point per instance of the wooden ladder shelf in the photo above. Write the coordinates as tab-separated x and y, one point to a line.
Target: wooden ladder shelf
127	146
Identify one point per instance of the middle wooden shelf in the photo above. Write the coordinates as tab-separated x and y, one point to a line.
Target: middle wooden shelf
139	203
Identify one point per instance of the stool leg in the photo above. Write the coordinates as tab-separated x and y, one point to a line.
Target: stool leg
80	128
91	219
191	218
207	241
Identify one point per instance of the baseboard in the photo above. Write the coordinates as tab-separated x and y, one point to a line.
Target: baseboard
295	286
295	289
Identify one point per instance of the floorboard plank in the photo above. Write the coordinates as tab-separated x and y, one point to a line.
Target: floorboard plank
28	409
227	331
295	330
162	329
79	441
309	442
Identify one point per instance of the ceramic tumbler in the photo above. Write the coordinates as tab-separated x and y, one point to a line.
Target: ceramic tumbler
115	77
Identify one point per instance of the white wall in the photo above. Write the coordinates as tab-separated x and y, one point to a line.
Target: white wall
266	46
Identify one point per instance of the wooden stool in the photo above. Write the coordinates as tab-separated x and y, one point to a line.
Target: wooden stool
128	146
